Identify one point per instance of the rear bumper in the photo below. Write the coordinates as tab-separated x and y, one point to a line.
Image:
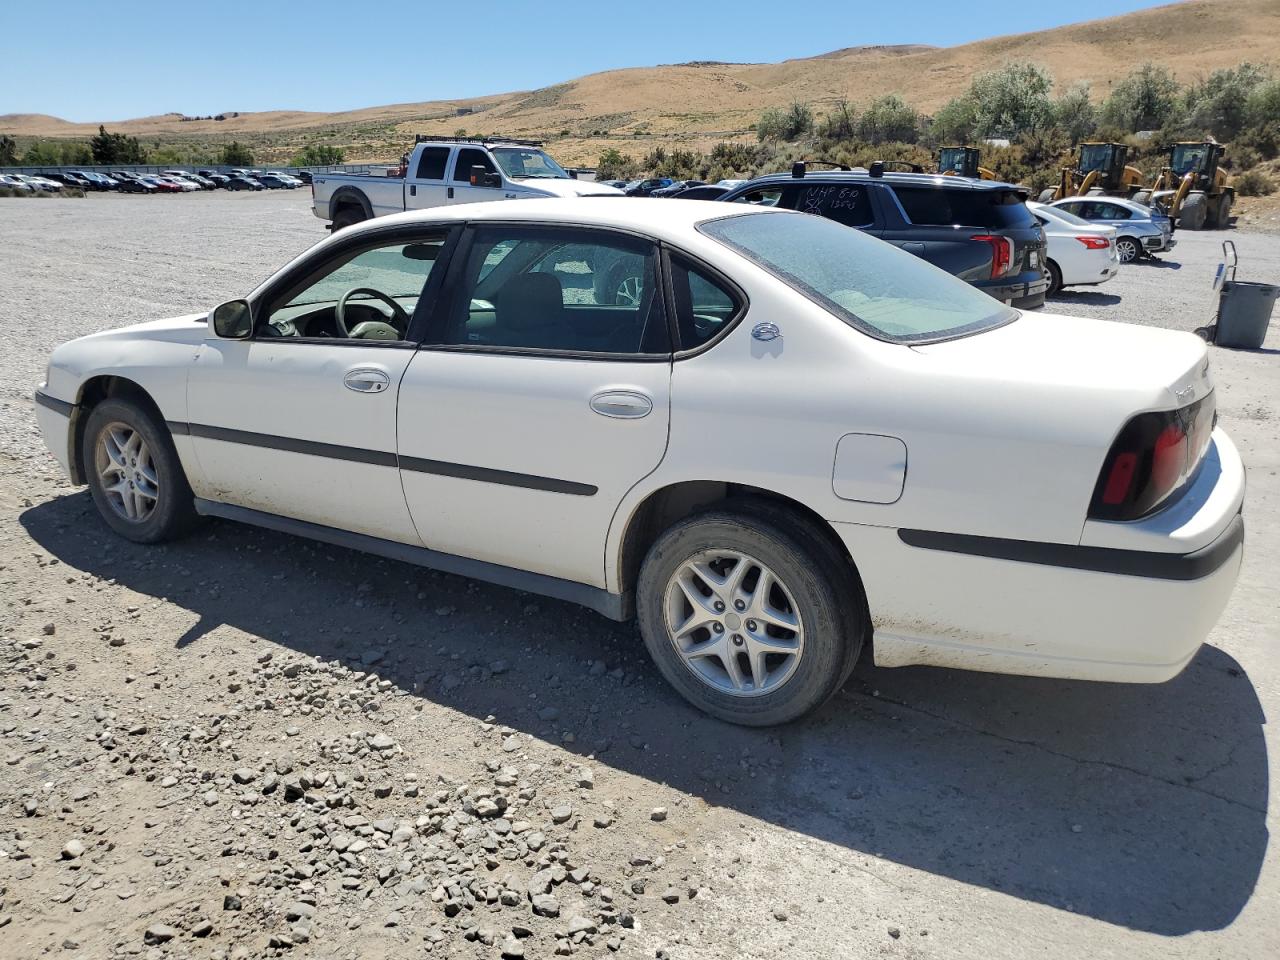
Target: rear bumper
1025	286
1085	612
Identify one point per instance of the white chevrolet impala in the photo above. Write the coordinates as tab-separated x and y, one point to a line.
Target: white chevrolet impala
770	438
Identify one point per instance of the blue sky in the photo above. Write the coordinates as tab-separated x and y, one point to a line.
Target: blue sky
104	61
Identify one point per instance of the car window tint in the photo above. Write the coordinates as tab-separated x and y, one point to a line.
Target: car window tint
563	290
398	271
431	163
703	306
847	203
470	157
949	206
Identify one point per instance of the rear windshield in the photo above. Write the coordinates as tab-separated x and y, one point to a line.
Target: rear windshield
870	284
942	206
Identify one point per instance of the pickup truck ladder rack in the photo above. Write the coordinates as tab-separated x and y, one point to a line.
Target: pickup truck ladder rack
485	141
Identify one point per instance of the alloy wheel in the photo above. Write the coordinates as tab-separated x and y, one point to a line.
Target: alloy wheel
128	474
629	292
1127	250
734	623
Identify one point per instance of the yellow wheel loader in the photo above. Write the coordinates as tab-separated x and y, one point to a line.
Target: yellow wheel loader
1193	189
1101	170
963	162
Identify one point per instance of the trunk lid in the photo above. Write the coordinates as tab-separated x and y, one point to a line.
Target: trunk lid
1153	369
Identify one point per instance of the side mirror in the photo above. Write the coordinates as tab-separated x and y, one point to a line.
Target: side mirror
481	177
232	320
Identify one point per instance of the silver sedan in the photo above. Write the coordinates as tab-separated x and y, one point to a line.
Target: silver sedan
1140	230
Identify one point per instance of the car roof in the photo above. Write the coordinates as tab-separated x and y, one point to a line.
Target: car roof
653	216
864	176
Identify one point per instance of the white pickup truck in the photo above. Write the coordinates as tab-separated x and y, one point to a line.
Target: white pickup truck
442	171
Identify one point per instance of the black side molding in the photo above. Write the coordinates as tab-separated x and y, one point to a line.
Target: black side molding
53	403
611	605
1129	563
382	458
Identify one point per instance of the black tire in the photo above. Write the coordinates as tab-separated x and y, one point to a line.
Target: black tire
1194	212
174	513
608	279
1219	217
1055	279
1143	197
346	216
1128	249
828	598
1047	196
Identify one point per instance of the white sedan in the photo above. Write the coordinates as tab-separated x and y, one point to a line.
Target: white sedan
1080	253
788	440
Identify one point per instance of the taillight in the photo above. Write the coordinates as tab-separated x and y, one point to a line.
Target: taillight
1095	243
1001	253
1151	460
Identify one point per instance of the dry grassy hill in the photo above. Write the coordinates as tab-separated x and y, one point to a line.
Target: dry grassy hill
705	102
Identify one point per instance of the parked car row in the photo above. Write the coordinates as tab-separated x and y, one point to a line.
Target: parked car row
170	181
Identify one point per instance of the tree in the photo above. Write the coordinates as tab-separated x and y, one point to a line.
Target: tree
113	148
1074	112
8	151
840	124
955	122
236	154
1147	99
1011	100
57	153
889	119
789	124
1219	104
319	155
615	165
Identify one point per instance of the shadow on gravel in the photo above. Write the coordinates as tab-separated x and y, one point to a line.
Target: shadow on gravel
1142	806
1151	261
1091	297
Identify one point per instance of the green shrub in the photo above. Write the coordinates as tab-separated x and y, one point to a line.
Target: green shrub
1253	183
789	124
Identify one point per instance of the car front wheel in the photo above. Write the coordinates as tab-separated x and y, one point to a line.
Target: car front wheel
1128	249
749	617
134	475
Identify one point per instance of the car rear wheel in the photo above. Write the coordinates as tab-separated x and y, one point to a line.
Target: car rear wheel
747	616
1047	196
346	216
1143	197
1055	278
135	477
1128	249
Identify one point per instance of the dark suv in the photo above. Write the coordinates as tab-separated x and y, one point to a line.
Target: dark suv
979	230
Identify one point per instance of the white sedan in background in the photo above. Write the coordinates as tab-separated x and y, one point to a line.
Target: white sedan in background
792	441
1080	253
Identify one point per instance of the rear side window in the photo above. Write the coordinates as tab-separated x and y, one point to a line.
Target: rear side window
704	307
943	207
468	158
431	163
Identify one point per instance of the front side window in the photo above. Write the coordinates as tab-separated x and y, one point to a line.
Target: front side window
869	284
565	290
469	157
367	294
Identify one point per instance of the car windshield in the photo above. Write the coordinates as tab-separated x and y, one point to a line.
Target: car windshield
871	285
520	162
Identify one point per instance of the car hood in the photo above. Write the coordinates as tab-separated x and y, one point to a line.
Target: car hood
1140	368
568	188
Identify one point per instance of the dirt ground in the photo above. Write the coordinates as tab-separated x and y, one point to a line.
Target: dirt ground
244	744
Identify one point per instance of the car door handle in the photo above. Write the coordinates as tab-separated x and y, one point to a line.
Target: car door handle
622	404
366	381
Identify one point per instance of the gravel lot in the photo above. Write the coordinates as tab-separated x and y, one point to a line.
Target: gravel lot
247	745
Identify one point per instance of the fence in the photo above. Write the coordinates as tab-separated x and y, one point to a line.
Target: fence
146	168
